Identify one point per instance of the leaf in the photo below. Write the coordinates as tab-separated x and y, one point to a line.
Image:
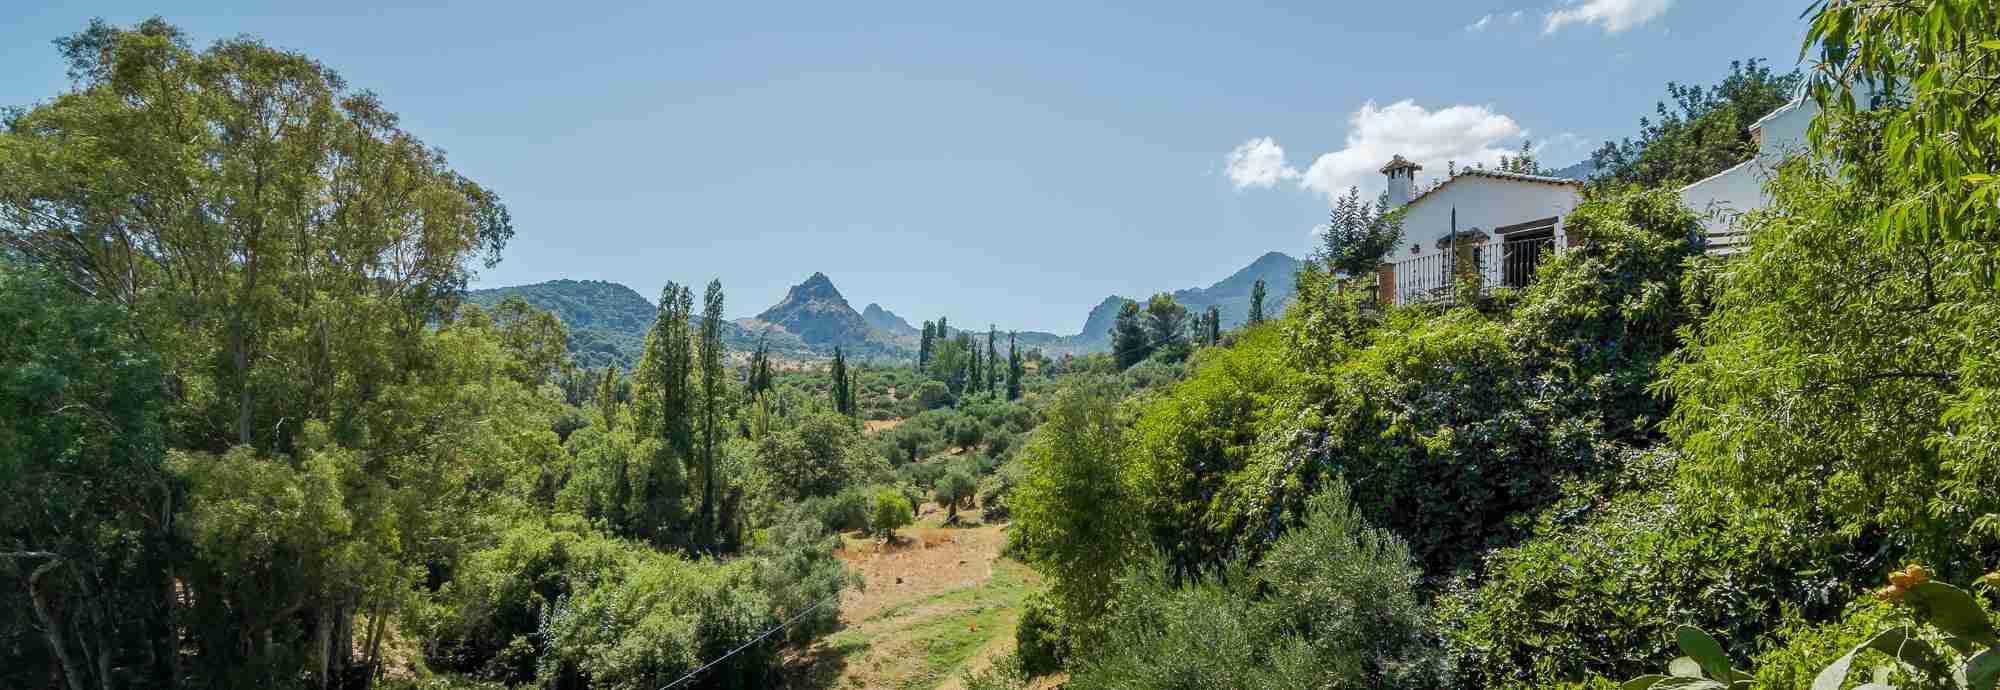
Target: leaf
1705	651
1834	674
1684	667
1686	683
1982	670
1952	610
1990	45
1642	682
1978	178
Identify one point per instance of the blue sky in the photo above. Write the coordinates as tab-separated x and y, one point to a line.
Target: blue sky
1009	163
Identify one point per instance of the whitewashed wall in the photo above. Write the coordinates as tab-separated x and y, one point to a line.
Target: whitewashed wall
1719	200
1483	203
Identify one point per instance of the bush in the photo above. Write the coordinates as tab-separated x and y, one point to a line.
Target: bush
892	511
1041	640
842	512
931	395
1600	588
1333	605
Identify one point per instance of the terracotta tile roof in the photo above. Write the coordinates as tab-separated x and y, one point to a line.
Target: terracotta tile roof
1498	175
1398	161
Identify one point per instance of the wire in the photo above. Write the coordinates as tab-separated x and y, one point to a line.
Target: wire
746	645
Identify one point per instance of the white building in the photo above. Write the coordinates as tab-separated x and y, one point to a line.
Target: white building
1494	223
1727	195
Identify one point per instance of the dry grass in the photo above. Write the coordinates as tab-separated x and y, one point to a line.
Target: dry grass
936	602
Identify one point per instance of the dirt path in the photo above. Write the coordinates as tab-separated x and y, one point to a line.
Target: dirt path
937	603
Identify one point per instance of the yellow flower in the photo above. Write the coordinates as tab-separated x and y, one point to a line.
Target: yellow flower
1918	574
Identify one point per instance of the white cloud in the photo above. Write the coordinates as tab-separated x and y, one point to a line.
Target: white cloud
1614	15
1515	16
1466	134
1480	25
1259	162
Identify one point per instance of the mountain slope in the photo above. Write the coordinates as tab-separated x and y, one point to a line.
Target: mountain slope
1230	296
816	312
608	322
887	322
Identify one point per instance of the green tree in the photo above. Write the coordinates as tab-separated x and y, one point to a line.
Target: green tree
890	511
1073	517
992	359
953	489
1129	342
1167	326
711	406
925	346
838	384
1698	131
88	518
1358	234
1257	302
1013	369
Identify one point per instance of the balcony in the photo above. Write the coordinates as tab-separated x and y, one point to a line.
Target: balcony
1498	262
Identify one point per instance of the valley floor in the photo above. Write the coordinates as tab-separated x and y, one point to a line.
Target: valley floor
939	602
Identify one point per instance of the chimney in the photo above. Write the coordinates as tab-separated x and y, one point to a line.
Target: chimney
1402	180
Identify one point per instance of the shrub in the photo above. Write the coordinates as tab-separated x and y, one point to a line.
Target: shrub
892	511
1600	588
1041	639
931	395
1334	605
842	512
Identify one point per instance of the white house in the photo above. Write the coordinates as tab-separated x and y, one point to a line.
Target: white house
1727	195
1497	224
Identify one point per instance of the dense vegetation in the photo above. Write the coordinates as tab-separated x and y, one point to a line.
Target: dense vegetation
253	435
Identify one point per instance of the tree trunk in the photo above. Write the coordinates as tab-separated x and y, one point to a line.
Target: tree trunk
53	625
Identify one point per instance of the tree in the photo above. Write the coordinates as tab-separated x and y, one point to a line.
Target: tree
925	345
292	260
992	359
1212	327
1167	326
838	385
1358	234
953	489
711	410
1523	162
1072	510
1013	369
758	378
1699	131
1257	302
1129	343
891	511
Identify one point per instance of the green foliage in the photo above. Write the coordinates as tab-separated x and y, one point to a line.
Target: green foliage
1700	132
842	512
818	457
1358	234
1072	509
1334	605
891	511
1130	344
953	489
1041	638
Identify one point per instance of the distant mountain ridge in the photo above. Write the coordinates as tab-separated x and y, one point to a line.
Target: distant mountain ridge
608	322
1230	296
888	322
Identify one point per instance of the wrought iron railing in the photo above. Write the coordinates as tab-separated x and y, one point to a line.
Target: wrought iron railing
1494	263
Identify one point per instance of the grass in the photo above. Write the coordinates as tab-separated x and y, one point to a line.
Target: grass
933	638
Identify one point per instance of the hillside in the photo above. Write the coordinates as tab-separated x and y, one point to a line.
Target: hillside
1230	296
816	312
608	321
887	322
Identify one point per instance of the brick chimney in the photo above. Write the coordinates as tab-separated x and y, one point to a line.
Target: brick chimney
1402	180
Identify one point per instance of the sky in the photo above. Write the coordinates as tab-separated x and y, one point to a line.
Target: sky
1002	162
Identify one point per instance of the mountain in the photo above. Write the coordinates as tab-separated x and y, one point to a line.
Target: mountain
1230	296
816	312
608	322
887	322
1580	171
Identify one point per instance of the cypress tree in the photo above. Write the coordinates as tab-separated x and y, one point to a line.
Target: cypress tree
926	346
1257	302
1013	369
1214	319
1129	344
841	403
992	359
711	389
